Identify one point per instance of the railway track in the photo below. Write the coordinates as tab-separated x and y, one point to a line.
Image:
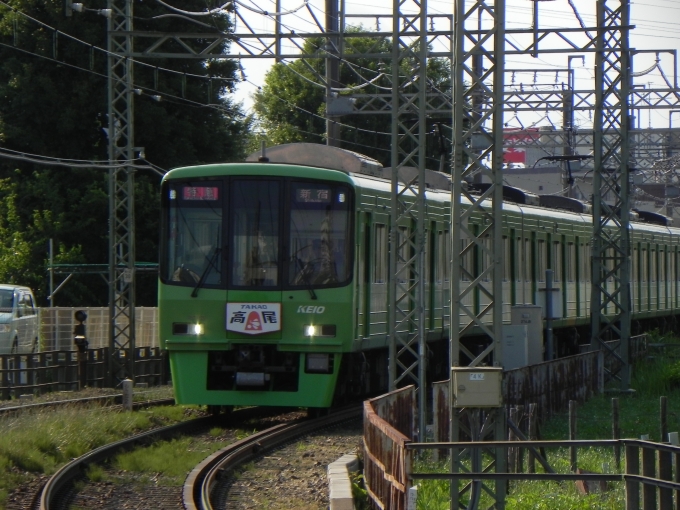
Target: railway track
59	490
110	400
203	481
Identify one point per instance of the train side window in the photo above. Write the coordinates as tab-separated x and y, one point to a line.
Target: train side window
403	253
443	256
635	272
507	259
643	266
541	256
466	254
557	261
380	263
486	258
570	264
528	266
653	254
518	259
672	260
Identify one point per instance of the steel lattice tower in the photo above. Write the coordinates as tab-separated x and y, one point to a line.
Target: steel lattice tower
121	194
610	302
408	349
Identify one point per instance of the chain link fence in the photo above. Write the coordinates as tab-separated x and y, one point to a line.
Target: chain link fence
57	323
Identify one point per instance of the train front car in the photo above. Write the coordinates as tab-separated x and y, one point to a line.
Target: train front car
255	290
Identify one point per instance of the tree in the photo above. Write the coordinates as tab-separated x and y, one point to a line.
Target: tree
54	103
291	105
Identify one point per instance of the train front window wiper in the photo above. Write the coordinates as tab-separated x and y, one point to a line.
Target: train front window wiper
212	262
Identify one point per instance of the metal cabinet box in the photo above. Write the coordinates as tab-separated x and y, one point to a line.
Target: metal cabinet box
476	386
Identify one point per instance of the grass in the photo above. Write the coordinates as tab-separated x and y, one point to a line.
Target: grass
162	460
639	413
38	442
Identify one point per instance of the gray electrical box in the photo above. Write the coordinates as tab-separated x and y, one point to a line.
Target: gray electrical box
476	386
515	346
530	316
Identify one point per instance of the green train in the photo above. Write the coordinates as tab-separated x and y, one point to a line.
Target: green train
274	274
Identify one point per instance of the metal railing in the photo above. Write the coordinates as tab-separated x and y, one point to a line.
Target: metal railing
650	482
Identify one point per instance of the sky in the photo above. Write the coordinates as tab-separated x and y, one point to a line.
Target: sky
655	28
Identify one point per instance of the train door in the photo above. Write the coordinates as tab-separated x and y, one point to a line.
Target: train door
255	229
379	275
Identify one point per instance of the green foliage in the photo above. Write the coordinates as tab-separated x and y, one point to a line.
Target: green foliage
55	101
291	105
359	492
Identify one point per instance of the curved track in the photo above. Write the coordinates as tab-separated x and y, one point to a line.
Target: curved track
62	479
201	481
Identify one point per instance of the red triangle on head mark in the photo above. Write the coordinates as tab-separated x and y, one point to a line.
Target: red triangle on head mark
254	322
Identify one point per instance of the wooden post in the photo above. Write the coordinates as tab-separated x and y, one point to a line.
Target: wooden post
512	452
648	470
572	433
663	419
531	468
520	450
632	486
616	432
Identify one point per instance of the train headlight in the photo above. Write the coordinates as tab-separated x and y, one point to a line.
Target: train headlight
319	330
182	328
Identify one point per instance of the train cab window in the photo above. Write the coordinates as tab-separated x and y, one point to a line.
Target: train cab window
192	233
320	234
255	224
380	263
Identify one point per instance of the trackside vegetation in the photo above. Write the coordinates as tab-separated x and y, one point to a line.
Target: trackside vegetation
639	414
37	443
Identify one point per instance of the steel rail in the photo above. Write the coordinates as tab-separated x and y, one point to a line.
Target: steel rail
76	467
200	482
87	400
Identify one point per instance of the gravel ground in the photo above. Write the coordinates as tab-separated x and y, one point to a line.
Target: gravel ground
294	476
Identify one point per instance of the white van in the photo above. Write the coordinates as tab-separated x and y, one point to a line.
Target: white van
19	321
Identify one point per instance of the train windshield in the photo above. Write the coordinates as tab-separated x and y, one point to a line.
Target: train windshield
255	220
319	230
193	234
257	232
